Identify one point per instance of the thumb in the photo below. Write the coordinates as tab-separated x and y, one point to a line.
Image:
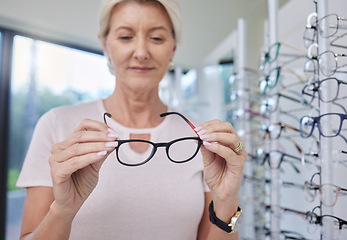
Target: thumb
207	156
98	164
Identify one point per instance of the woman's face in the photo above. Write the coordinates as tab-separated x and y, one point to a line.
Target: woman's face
140	44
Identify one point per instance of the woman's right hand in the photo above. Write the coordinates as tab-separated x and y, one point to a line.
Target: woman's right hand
75	164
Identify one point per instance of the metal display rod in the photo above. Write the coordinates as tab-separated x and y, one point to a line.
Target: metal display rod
244	120
325	143
275	173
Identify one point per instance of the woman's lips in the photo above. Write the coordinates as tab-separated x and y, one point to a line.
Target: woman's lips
141	69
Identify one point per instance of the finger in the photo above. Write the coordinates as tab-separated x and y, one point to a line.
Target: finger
216	126
84	137
221	132
61	170
227	153
80	149
91	125
227	139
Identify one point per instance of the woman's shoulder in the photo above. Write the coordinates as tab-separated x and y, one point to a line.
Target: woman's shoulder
77	109
70	116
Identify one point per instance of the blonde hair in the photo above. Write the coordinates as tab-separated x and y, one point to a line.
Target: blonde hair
171	6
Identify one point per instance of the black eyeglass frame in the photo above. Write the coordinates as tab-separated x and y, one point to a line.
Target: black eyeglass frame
157	145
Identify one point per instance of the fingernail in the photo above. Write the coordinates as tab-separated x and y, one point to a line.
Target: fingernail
111	130
206	143
113	135
197	129
111	144
204	136
202	132
102	153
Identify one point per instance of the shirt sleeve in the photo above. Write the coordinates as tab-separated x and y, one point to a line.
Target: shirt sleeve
36	169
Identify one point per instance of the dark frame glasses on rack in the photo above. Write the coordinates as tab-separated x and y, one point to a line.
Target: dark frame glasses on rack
272	53
308	123
309	91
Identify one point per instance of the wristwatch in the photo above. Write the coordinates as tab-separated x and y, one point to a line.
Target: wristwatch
234	222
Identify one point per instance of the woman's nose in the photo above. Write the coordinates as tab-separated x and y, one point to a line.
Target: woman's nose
141	51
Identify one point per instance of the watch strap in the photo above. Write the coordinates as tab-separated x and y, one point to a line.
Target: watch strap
219	223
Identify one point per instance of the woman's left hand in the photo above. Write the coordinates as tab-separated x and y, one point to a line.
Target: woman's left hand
223	161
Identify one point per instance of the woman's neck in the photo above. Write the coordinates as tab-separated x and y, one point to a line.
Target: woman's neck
135	110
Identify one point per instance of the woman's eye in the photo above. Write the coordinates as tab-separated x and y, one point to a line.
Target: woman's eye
157	39
125	38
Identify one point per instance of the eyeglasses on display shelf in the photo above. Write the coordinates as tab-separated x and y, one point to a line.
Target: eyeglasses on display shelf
329	63
312	89
325	191
270	80
136	152
317	221
270	104
328	193
285	234
339	157
308	123
279	156
261	182
328	25
271	55
275	130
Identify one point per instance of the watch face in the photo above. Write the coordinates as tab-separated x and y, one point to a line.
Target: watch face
235	221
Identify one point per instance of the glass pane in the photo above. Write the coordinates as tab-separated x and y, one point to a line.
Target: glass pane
44	76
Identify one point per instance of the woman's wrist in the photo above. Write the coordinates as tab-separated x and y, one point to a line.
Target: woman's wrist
225	210
60	214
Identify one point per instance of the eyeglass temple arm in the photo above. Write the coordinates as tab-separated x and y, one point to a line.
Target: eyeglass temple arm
108	115
184	118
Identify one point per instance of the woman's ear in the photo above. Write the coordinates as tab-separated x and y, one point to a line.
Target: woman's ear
102	40
174	48
173	52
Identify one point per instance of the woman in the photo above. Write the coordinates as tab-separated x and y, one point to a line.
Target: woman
85	192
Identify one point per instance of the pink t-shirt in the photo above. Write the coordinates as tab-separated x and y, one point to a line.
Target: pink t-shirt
158	200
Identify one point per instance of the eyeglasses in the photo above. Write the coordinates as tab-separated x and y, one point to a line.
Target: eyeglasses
336	223
279	156
338	157
272	53
307	124
327	25
270	81
261	181
329	63
274	131
308	93
328	193
136	152
285	234
270	104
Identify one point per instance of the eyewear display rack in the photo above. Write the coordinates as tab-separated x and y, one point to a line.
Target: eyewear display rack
267	213
325	147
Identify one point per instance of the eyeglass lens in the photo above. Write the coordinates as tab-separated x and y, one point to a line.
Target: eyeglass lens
328	25
145	150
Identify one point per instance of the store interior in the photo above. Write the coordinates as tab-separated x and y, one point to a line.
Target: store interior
277	70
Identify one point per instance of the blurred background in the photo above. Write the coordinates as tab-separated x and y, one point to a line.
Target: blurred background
275	69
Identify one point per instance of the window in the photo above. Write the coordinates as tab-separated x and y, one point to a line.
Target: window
45	75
